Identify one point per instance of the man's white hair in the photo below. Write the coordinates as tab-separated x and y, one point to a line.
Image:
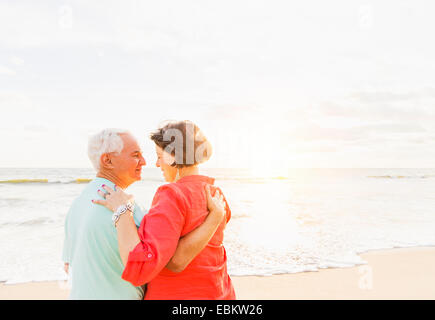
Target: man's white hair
105	141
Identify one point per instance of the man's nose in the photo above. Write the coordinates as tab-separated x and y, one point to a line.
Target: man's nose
142	161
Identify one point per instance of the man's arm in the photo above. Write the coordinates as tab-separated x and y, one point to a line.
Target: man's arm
188	246
145	252
195	241
146	255
66	249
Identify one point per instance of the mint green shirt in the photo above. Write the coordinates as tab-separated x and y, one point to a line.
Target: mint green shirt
91	249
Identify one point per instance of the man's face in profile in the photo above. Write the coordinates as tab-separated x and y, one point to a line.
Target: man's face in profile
127	165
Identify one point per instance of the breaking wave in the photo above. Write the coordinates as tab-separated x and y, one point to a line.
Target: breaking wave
402	177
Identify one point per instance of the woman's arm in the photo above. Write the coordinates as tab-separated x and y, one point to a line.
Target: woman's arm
188	246
195	241
128	238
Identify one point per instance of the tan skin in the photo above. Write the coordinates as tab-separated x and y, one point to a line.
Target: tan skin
189	245
125	168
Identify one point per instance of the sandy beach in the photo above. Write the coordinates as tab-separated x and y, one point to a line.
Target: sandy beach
390	274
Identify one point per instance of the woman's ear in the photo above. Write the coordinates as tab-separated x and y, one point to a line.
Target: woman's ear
106	161
169	159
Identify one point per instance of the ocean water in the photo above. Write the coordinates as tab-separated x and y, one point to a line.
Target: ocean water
305	220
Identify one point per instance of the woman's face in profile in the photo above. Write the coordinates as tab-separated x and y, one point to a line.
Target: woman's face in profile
164	161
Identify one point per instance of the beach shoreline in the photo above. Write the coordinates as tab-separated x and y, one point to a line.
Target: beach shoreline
399	273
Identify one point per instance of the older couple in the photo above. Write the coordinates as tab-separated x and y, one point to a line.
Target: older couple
114	250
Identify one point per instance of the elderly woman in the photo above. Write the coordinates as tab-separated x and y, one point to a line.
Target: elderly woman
177	208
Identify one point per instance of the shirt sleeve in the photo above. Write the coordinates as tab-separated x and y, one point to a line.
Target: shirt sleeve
159	233
66	244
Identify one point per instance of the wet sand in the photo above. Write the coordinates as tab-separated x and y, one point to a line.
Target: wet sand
390	274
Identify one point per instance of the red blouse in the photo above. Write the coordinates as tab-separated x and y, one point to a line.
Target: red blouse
177	209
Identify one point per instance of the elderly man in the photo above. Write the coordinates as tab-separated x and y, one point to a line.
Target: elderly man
91	251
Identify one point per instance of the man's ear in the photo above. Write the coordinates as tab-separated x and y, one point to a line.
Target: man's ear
106	161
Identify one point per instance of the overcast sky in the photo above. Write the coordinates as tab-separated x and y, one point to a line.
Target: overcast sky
273	84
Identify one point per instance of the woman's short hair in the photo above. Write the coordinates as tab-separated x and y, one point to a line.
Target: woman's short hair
183	140
105	141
